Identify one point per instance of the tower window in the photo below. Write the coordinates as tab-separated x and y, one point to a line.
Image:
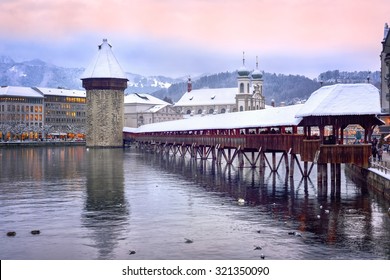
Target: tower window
242	88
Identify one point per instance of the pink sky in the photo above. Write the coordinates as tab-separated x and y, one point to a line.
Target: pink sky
295	36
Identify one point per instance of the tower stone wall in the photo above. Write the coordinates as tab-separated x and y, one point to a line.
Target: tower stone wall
104	118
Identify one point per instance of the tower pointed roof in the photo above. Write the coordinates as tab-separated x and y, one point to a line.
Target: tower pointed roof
256	74
243	72
104	65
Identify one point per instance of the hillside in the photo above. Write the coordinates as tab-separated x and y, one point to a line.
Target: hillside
282	88
39	73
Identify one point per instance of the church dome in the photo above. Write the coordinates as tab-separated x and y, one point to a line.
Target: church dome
256	74
242	72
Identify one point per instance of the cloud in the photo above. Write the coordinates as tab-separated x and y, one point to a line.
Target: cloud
174	37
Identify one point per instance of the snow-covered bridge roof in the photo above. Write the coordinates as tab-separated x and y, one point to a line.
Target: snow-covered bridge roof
270	117
342	99
335	100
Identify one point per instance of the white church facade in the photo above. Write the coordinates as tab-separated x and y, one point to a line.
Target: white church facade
247	96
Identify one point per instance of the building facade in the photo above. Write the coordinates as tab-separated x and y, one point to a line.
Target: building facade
36	112
64	110
247	96
21	111
144	108
385	81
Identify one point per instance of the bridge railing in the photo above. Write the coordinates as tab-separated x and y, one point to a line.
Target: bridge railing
270	142
311	150
358	154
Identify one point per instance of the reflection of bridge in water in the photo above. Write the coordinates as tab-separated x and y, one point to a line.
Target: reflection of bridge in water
276	137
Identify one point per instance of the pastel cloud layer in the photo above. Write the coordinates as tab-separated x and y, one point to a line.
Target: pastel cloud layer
179	37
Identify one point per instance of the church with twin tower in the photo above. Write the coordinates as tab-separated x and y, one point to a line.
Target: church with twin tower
105	83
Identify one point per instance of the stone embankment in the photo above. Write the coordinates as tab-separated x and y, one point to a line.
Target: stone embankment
376	177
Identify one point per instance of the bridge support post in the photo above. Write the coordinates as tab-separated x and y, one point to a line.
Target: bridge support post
305	169
285	155
338	179
292	160
332	179
274	169
240	158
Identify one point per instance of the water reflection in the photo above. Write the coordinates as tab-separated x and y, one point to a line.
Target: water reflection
99	204
343	221
106	211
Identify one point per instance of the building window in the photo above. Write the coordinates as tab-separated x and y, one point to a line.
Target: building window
242	88
241	108
188	112
223	111
199	111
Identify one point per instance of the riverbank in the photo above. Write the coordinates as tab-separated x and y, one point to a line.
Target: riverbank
14	144
377	177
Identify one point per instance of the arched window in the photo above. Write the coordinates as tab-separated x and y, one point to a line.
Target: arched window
199	111
241	108
140	120
242	87
223	111
188	112
248	88
211	111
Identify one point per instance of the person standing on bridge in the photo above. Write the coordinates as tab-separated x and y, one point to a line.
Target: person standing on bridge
374	148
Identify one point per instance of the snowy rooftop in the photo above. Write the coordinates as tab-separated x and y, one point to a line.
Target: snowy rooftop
104	65
19	92
342	99
62	92
208	96
143	98
270	117
156	108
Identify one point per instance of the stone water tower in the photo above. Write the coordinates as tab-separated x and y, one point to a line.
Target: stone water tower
105	83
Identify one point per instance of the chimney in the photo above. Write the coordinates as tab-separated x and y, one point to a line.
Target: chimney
189	84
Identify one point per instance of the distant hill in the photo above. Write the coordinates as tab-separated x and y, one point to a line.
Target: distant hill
39	73
282	88
279	87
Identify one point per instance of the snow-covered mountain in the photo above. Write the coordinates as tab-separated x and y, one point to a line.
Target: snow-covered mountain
37	73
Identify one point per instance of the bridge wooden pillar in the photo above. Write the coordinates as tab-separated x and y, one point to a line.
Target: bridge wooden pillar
292	160
338	179
240	158
274	169
285	155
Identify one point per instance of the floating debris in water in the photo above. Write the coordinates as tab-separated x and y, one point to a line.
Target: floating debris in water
262	256
131	252
35	232
257	247
11	233
241	201
188	241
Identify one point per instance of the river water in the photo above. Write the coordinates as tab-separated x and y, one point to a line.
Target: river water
104	203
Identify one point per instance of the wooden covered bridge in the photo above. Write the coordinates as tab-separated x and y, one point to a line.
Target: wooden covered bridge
314	131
